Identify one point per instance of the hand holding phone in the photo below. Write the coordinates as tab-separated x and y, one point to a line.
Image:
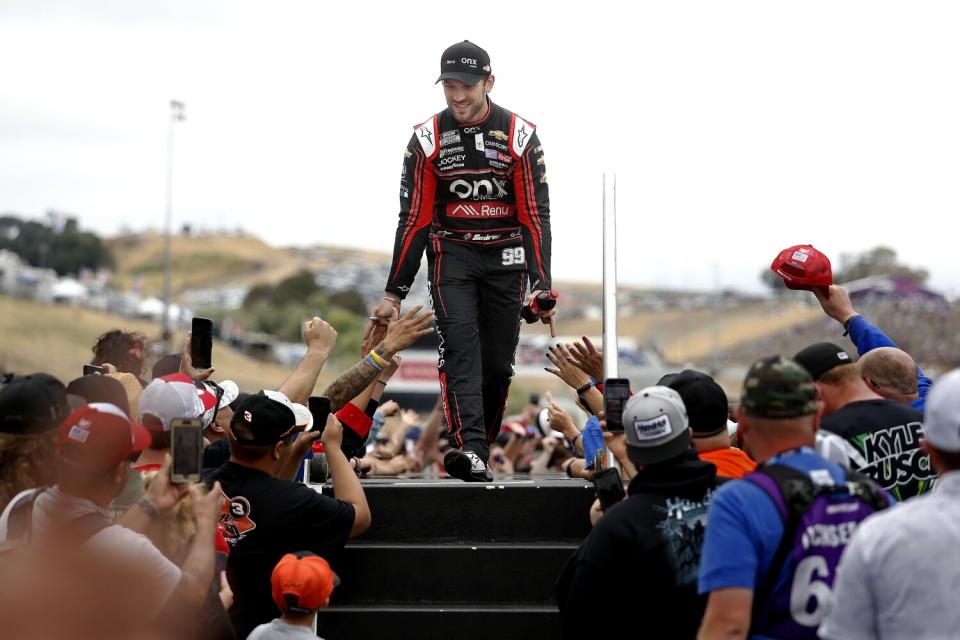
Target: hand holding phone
615	394
186	448
89	369
609	487
201	343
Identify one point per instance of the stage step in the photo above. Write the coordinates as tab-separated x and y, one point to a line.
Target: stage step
515	509
439	623
448	559
449	574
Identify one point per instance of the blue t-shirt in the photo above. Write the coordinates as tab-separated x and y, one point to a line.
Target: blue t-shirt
868	337
746	528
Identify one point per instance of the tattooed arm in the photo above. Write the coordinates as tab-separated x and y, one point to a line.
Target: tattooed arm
402	333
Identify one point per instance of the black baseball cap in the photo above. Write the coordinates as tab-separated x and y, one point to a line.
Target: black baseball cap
465	62
264	419
32	404
98	388
704	399
819	358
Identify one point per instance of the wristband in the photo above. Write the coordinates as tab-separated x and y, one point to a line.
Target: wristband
846	325
393	300
373	363
582	390
147	506
376	356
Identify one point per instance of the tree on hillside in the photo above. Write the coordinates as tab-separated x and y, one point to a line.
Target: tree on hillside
879	261
59	244
774	283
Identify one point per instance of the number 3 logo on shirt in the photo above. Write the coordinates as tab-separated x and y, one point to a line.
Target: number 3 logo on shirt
513	256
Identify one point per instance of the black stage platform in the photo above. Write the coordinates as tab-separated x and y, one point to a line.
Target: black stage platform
448	559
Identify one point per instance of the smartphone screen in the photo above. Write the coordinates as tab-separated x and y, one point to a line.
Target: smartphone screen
201	343
91	368
615	394
186	447
319	408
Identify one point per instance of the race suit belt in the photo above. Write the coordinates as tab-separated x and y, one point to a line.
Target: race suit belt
486	236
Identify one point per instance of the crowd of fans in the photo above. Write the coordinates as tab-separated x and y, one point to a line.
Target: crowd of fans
718	519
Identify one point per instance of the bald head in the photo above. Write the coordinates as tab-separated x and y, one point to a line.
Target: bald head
890	372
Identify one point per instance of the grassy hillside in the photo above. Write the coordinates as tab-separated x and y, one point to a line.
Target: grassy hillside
209	261
57	340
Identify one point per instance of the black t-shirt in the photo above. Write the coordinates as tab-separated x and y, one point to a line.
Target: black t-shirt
264	518
639	566
883	442
216	454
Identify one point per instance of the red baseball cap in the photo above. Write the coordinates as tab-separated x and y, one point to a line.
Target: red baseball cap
302	582
803	267
99	436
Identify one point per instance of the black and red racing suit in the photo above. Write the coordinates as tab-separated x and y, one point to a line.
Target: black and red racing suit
475	197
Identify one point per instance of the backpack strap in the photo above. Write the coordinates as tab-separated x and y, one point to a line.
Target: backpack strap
20	519
867	490
792	493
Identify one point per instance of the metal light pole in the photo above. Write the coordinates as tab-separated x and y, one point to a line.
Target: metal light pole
611	350
176	115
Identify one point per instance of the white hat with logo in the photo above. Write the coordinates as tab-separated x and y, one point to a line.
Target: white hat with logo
656	425
941	414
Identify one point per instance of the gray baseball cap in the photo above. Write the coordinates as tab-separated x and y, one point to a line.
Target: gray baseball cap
656	425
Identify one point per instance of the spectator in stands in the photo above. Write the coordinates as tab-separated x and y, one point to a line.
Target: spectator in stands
31	409
749	583
881	436
123	349
264	517
894	382
302	584
895	579
638	567
707	408
95	443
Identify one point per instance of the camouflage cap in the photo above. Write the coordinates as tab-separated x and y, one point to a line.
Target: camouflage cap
777	387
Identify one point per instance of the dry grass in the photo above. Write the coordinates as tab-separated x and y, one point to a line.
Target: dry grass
212	261
691	335
57	340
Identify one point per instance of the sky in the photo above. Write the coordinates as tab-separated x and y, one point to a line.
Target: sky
734	128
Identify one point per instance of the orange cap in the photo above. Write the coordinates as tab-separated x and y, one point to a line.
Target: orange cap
302	582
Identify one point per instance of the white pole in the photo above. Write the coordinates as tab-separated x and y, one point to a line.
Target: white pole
611	351
610	348
176	115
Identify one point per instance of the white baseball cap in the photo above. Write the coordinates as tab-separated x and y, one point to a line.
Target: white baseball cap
655	421
174	396
300	412
941	416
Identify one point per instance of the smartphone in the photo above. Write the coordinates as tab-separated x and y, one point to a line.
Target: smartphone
186	447
615	394
91	368
609	487
319	408
201	343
